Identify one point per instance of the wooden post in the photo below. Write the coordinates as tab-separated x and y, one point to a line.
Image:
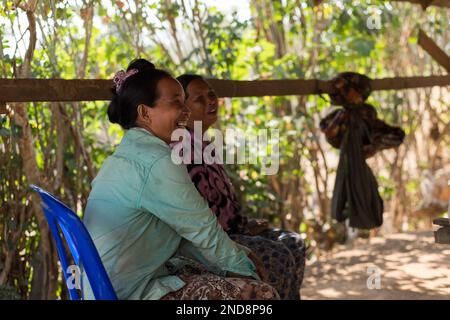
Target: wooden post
433	50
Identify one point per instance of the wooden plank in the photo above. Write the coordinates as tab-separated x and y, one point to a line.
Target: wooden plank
433	50
436	3
426	3
423	3
27	90
400	83
260	88
441	3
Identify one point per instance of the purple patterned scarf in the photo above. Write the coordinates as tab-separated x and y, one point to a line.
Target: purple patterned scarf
213	183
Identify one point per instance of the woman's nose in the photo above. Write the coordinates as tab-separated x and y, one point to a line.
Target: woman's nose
187	110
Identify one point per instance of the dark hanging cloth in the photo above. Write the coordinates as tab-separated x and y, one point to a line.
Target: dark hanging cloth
355	194
356	130
382	135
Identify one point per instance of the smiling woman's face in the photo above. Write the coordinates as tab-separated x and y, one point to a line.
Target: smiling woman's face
203	103
169	112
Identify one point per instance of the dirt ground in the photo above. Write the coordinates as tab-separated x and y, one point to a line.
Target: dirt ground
410	266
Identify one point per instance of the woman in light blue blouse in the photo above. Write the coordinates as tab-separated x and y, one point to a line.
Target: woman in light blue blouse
143	211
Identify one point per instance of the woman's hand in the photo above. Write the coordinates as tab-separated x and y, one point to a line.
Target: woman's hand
260	269
256	226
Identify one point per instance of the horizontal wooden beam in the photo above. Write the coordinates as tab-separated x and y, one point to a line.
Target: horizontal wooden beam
261	88
427	3
28	90
423	3
35	90
400	83
433	50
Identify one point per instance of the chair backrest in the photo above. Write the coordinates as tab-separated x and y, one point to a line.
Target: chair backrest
80	244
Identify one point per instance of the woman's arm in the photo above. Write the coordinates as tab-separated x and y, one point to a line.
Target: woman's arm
169	194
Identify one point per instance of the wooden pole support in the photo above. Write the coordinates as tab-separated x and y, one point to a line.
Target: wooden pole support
433	50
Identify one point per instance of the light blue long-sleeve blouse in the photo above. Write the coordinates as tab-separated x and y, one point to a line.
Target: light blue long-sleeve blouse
142	210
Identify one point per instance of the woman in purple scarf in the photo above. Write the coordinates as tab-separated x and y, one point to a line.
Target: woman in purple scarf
281	252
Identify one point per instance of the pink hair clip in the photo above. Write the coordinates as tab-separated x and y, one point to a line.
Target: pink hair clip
121	76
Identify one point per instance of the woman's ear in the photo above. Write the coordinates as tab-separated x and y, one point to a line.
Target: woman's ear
144	113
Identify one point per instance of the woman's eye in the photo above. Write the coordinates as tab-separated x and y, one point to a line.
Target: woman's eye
200	99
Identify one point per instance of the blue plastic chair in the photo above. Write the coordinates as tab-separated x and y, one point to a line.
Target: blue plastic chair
80	245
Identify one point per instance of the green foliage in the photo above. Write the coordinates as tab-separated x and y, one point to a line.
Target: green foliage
281	40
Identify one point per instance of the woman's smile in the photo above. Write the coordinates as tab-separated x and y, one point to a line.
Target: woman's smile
181	124
182	121
213	110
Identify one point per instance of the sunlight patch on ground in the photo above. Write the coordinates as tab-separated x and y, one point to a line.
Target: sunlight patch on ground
411	266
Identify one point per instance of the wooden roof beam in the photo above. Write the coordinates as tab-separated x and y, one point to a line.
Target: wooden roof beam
433	50
426	3
423	3
29	90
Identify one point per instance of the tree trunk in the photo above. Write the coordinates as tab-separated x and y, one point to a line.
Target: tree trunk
44	276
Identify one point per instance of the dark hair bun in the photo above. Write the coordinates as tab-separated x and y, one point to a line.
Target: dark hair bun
114	110
141	65
139	88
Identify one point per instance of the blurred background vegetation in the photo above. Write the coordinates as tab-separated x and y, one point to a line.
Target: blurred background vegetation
61	146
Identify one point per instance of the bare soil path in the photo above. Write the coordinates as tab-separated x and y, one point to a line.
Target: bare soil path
411	266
